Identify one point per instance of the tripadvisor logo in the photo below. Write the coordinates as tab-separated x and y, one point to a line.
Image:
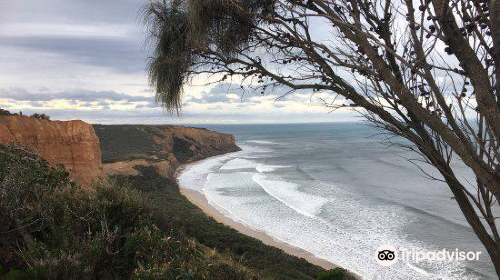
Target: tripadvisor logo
387	255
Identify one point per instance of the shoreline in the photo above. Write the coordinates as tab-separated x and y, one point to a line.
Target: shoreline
199	199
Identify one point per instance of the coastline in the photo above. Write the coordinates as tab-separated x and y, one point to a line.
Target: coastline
199	199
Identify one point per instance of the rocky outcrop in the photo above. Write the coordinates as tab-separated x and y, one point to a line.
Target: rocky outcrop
164	147
71	143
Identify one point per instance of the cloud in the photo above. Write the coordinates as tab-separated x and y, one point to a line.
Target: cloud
120	54
20	94
225	93
158	116
92	32
148	105
85	59
234	93
71	11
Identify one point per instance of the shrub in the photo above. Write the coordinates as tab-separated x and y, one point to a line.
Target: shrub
4	112
40	116
50	229
333	274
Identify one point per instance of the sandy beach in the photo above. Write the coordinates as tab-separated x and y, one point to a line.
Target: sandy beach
200	200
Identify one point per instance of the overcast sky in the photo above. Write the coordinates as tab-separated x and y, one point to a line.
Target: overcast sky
85	59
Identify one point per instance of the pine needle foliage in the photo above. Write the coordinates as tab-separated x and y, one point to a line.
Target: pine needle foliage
182	31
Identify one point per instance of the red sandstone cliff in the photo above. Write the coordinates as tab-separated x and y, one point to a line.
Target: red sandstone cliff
76	145
71	143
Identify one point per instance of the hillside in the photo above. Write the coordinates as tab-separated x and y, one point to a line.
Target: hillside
134	224
173	211
127	142
164	147
51	229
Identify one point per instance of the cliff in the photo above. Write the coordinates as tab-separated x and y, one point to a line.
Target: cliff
164	147
78	145
71	143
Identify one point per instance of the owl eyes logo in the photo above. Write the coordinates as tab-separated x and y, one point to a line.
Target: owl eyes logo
386	255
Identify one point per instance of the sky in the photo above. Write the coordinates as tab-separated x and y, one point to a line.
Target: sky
74	59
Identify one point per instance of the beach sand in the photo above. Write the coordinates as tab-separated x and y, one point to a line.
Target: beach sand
199	199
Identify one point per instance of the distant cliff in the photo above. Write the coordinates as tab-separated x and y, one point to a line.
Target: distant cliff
165	147
71	143
78	145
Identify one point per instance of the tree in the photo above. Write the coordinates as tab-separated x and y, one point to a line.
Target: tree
424	70
40	116
4	112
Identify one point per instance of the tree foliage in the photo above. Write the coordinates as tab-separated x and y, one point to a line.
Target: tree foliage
40	116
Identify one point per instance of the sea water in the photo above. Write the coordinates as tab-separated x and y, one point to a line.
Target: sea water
337	191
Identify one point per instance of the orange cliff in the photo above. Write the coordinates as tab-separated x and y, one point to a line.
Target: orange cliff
164	147
71	143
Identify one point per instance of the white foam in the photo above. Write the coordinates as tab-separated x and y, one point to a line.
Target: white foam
263	168
239	163
418	269
349	238
262	142
288	193
350	242
193	176
255	151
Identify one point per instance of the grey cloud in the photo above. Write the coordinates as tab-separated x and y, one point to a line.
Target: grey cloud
36	104
247	95
212	108
120	54
103	103
95	47
219	93
148	105
72	11
20	94
210	98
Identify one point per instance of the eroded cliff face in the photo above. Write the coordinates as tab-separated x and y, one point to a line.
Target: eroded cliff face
71	143
82	148
164	147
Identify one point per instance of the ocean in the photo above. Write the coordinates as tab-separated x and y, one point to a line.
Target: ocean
337	191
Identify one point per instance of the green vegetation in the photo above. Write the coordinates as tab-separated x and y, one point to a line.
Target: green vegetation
333	274
125	142
40	116
50	229
174	212
136	227
130	227
181	149
4	112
